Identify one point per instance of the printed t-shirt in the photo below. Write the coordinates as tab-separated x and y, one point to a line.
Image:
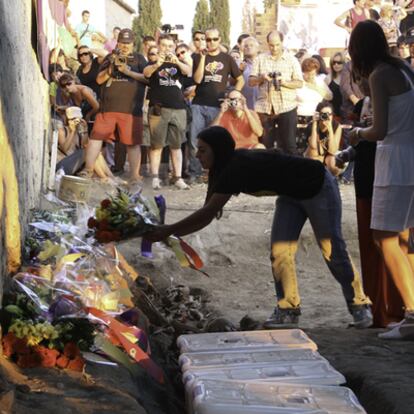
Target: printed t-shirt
165	87
240	129
216	72
121	93
269	172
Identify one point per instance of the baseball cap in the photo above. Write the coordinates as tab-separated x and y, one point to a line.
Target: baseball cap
410	36
126	36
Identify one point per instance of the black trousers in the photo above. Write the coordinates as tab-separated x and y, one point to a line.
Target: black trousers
285	133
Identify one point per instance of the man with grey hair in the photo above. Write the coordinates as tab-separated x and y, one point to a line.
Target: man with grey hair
250	50
277	75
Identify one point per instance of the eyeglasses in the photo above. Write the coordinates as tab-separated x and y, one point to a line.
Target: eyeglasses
84	54
181	53
199	39
337	62
212	39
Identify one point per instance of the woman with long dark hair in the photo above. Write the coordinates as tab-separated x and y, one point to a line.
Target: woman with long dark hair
306	191
391	82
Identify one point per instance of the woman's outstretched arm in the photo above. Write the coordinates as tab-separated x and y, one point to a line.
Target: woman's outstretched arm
194	222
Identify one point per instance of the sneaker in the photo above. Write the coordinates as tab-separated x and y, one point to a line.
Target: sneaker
400	330
362	316
407	327
156	183
283	319
181	185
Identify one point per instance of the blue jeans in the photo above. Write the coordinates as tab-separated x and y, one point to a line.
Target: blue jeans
203	116
324	212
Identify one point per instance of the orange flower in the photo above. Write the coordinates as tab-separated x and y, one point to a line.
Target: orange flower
62	362
76	364
48	356
71	350
9	342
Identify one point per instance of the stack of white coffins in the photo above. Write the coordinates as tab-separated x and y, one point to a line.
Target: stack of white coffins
261	372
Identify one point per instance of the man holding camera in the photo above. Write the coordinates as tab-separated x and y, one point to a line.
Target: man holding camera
243	124
167	117
278	75
122	95
212	69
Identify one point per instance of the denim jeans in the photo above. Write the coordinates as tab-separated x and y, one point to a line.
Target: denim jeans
324	212
203	116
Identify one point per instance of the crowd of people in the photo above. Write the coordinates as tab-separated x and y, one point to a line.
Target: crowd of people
276	122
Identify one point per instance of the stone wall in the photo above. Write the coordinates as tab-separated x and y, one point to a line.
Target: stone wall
24	114
263	24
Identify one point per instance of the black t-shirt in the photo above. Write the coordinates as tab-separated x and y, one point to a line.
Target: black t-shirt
89	78
216	73
269	172
121	93
164	88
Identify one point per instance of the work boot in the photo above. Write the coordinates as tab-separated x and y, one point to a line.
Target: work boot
283	319
362	316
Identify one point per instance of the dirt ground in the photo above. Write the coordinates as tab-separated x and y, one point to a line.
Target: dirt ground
235	250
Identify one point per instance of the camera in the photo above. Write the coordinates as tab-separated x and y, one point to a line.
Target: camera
120	60
323	116
168	57
232	103
275	79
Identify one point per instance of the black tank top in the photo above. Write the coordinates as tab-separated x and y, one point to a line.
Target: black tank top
337	97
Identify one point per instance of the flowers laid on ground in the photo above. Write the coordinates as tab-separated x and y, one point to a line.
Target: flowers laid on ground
70	293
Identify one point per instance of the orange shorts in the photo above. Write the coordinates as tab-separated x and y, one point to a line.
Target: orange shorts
128	128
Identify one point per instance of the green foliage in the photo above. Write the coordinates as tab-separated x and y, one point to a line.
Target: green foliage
201	19
220	18
148	20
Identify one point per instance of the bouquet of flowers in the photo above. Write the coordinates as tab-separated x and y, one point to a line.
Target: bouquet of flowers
123	216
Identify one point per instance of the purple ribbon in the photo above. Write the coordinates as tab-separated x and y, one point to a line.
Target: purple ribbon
146	246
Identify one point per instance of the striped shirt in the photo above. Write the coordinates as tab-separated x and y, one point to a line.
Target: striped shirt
268	98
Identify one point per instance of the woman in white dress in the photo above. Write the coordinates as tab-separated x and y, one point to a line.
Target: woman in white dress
391	83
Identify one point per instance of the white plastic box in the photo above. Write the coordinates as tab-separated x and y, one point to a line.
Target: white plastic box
316	373
238	397
241	357
247	340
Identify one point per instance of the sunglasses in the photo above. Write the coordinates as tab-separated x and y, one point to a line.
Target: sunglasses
65	85
152	54
181	53
84	54
337	62
199	39
212	39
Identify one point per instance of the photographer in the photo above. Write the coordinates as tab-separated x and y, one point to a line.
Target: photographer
72	141
277	75
243	124
122	95
324	136
167	116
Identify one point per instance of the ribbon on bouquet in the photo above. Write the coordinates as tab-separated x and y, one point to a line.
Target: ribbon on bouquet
186	255
121	334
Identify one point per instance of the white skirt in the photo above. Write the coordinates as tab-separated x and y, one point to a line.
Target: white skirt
393	208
